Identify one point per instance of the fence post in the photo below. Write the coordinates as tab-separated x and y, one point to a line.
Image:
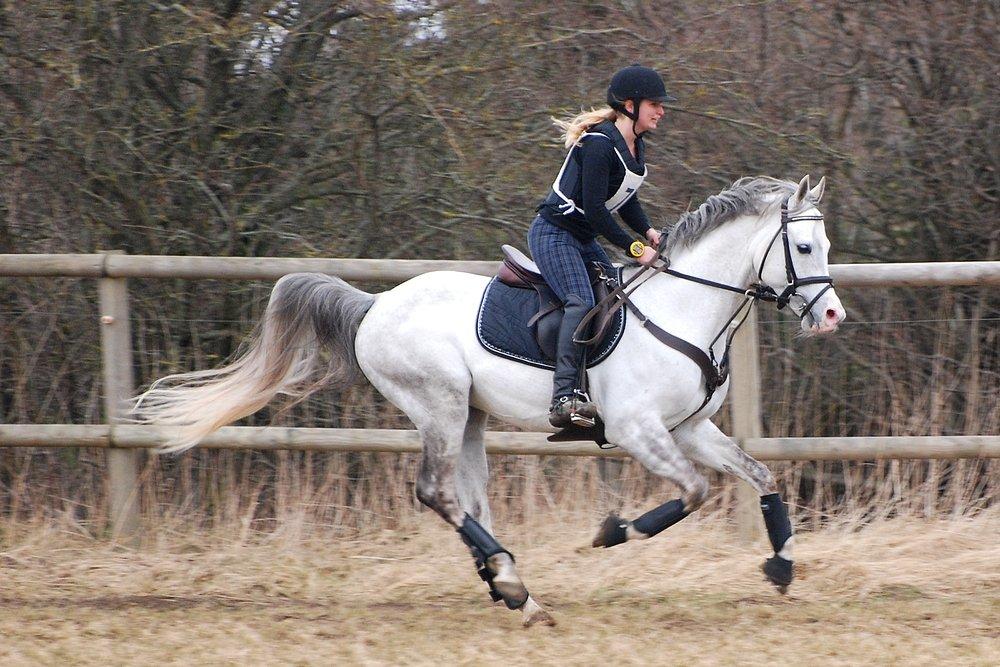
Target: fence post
744	394
119	385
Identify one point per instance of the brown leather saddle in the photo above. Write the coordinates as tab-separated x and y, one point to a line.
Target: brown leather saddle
517	270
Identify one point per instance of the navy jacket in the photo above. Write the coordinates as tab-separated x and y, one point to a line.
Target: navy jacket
593	174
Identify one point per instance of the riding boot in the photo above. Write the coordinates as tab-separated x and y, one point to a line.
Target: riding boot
569	404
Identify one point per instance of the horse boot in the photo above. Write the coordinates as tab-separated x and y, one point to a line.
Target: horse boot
570	405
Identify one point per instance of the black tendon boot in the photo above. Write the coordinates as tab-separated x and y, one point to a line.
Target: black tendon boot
778	568
568	404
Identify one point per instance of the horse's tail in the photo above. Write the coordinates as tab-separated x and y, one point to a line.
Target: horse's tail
308	314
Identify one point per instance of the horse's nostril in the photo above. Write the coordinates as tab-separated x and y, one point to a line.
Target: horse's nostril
831	314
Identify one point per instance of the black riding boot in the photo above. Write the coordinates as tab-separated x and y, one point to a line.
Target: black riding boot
567	401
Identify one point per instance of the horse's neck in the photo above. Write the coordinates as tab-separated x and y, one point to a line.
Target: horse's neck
693	311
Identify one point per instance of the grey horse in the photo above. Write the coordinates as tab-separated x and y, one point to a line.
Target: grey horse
416	344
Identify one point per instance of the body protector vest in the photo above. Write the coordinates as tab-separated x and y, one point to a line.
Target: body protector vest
567	183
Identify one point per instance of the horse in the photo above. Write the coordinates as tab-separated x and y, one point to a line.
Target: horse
760	239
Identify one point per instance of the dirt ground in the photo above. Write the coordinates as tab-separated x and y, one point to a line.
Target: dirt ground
899	592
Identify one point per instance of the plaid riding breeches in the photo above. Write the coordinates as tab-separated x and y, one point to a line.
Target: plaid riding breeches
563	259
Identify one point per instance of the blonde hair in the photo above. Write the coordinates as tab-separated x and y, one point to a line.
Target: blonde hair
582	122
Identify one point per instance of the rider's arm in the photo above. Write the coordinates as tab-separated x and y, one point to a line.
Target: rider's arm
634	216
596	157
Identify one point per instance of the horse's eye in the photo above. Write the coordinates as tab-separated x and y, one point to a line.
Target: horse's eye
804	248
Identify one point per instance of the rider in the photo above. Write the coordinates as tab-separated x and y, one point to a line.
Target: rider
603	169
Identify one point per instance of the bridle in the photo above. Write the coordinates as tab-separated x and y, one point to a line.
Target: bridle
794	282
716	372
759	291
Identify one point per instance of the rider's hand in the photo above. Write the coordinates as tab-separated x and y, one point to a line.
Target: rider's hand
653	236
649	255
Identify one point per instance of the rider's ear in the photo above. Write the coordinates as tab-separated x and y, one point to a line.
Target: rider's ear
800	194
816	194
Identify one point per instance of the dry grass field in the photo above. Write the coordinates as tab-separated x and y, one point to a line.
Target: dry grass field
894	592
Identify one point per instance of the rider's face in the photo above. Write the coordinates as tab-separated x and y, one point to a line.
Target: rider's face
650	114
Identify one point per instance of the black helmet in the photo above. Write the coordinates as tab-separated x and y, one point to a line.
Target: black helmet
636	83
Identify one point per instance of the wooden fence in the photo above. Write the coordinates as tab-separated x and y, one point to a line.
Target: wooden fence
122	441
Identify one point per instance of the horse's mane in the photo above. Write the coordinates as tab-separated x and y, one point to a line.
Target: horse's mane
749	195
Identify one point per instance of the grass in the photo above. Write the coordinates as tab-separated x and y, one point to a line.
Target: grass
893	592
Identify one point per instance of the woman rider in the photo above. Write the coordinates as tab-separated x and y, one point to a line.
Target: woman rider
604	167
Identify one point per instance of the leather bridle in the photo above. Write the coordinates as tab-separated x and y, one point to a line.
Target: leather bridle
794	282
716	372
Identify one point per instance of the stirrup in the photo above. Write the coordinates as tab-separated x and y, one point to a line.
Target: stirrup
568	404
587	417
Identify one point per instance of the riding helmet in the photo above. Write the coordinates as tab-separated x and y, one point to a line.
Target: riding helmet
636	83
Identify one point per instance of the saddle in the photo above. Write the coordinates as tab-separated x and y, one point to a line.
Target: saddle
518	271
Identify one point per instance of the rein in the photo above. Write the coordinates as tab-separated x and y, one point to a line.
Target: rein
715	372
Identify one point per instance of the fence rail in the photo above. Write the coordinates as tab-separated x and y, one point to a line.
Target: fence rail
122	441
109	265
399	441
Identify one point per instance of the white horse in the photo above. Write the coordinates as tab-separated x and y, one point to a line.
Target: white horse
417	344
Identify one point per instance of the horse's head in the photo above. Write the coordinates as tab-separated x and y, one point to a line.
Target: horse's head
790	253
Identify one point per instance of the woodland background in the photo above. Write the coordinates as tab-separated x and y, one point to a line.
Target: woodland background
418	128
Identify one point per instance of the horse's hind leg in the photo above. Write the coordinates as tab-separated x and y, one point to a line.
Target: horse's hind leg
473	470
651	444
434	394
705	443
471	477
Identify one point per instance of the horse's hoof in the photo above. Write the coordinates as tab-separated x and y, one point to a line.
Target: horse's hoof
611	532
514	593
778	571
534	615
506	582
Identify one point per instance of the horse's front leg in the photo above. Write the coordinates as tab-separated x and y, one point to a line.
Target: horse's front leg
650	443
705	443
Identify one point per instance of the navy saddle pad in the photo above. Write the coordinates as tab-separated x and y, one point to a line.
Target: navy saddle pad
502	326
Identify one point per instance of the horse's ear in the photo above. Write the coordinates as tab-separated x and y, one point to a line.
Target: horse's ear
800	193
816	194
